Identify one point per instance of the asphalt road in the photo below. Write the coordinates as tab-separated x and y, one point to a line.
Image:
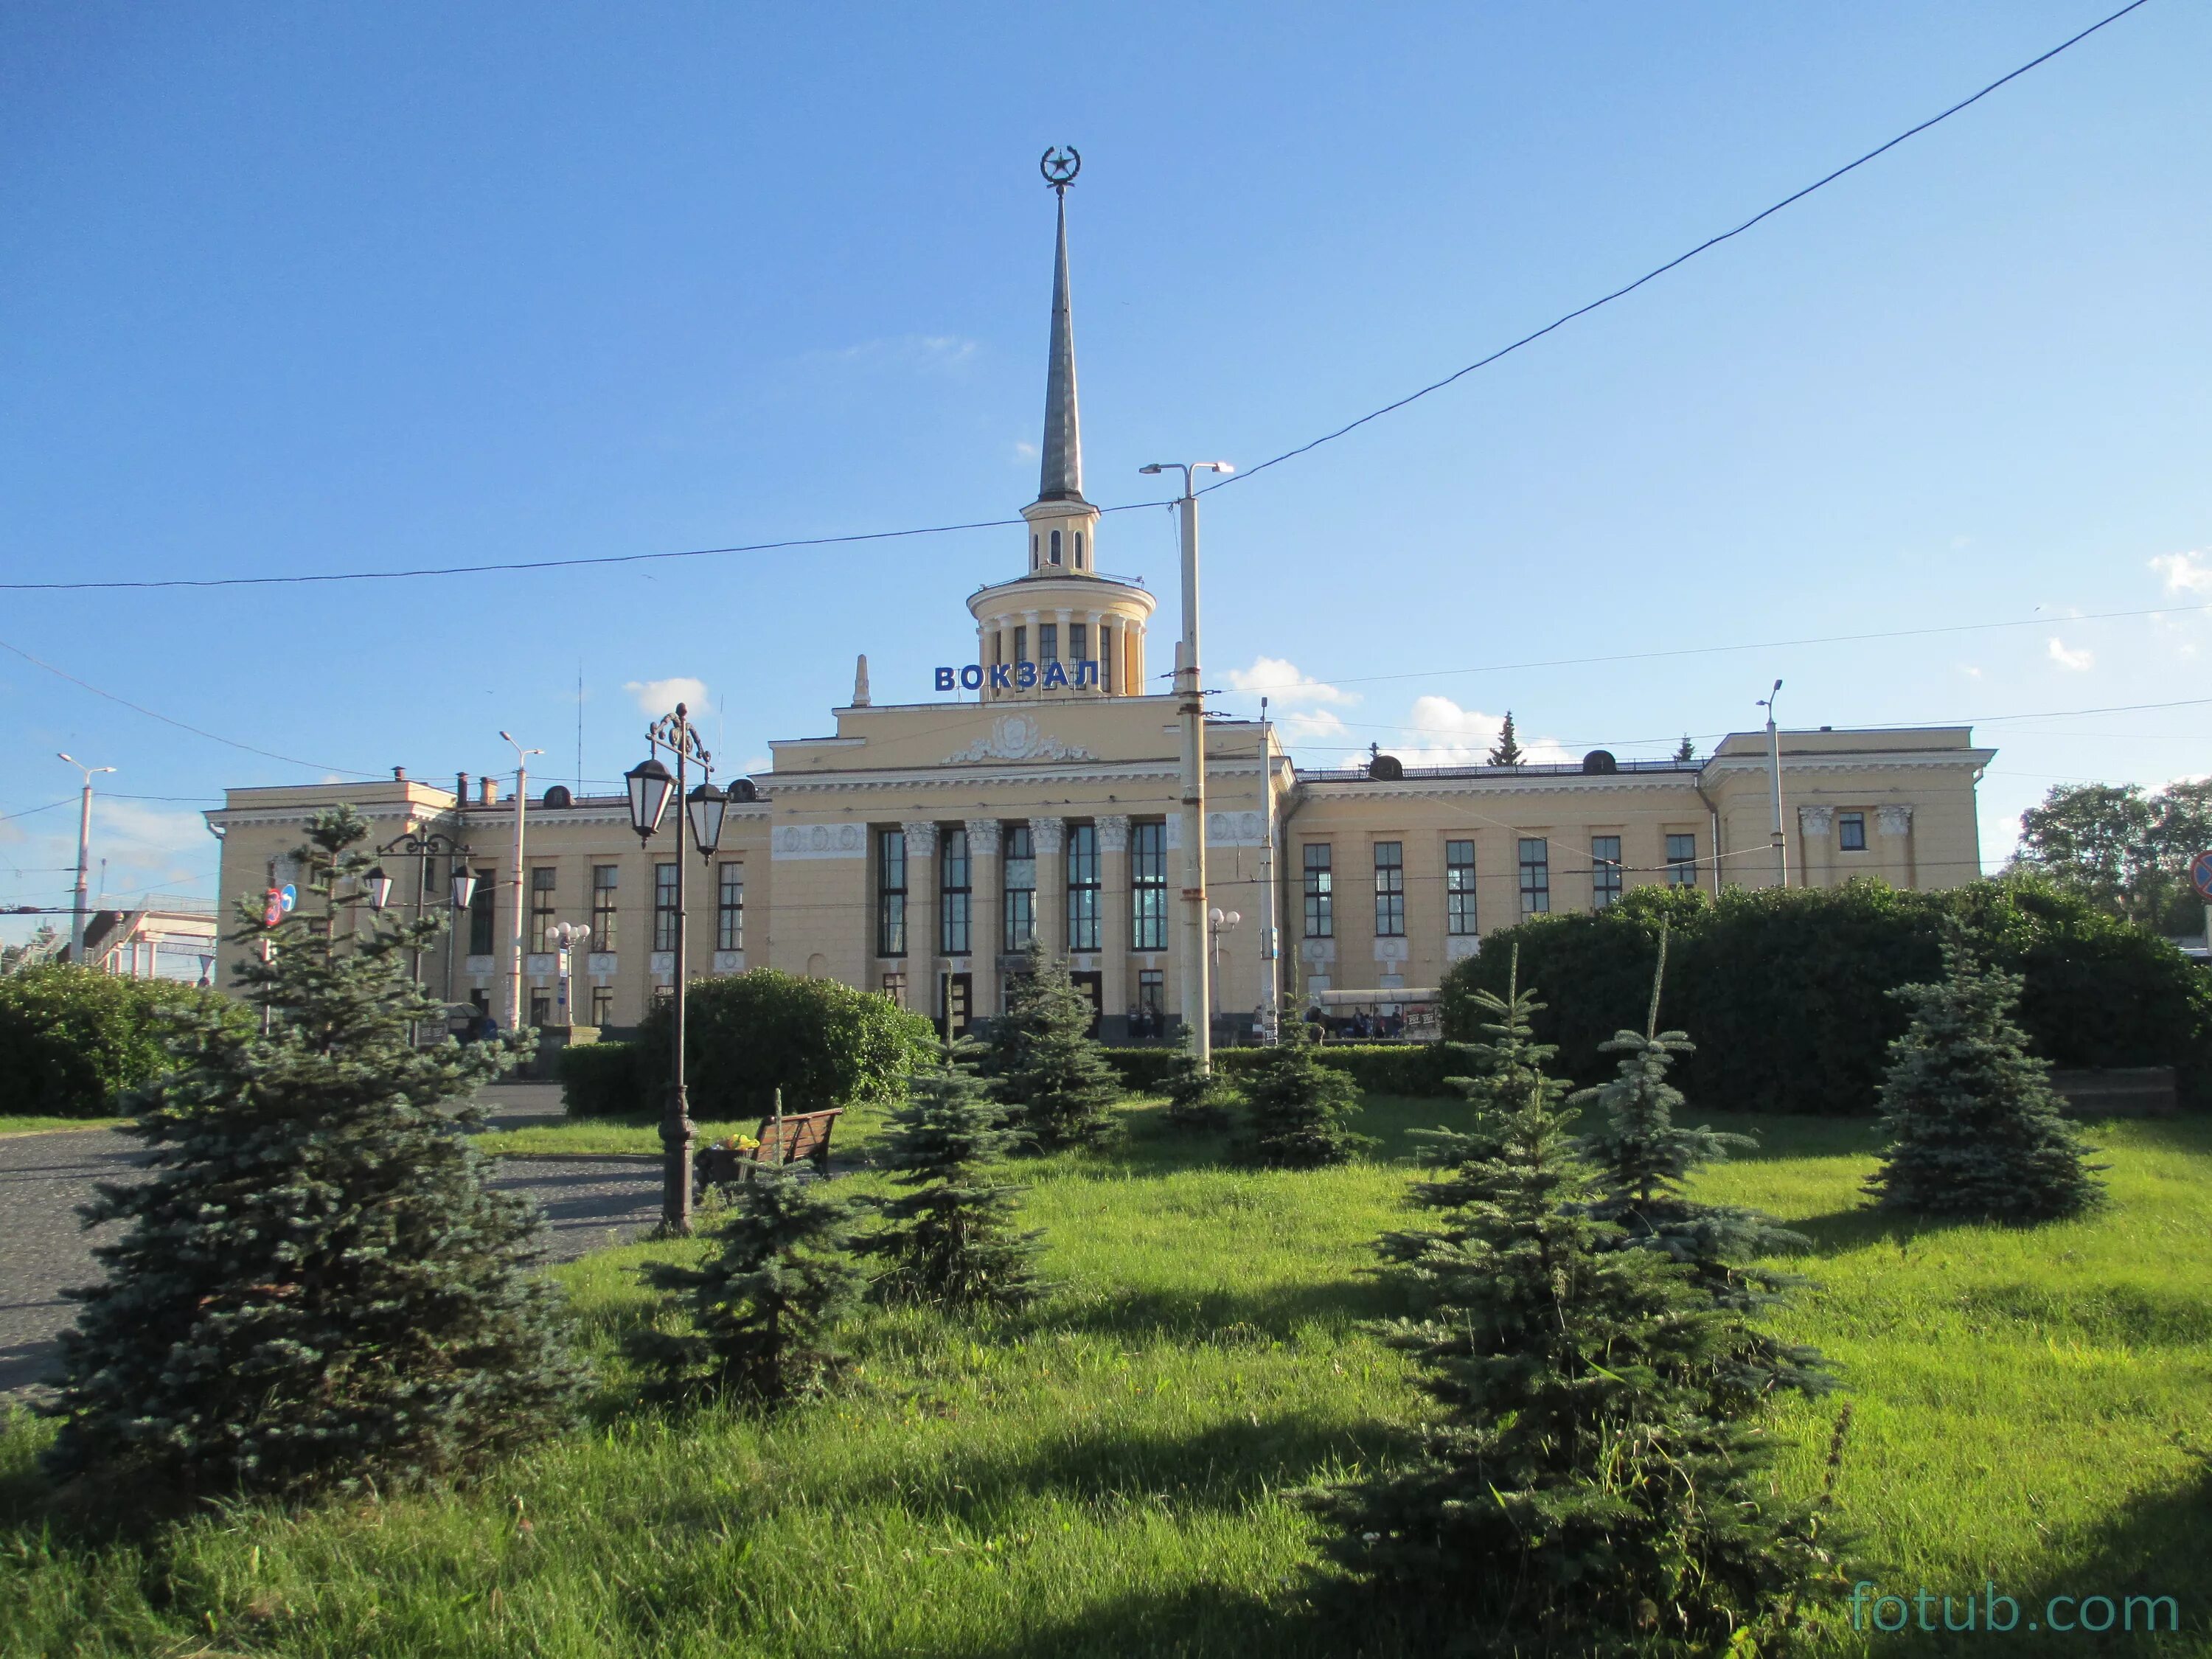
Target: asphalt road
44	1247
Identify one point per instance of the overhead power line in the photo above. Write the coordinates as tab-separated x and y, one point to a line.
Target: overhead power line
181	725
490	567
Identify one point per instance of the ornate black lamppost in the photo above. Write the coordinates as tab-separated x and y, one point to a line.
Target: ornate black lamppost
464	886
650	787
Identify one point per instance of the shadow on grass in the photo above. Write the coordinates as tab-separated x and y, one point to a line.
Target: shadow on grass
2153	1548
1227	1317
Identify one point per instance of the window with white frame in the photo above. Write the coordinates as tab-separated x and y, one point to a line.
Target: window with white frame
1083	887
890	892
1459	888
1389	890
1535	875
1604	871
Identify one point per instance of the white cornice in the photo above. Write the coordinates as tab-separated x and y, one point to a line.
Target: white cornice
1855	761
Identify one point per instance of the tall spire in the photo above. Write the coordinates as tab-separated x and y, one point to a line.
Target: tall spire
1061	477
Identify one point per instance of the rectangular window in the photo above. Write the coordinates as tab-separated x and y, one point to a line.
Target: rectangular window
1389	890
1320	899
1105	658
1021	645
1021	888
1535	876
1048	642
606	878
1078	642
891	893
541	906
956	917
1852	826
894	987
1459	888
541	1007
1681	860
730	908
1148	887
603	1004
1604	871
483	910
663	907
1082	887
1151	991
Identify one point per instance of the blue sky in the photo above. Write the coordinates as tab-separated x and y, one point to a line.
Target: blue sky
294	289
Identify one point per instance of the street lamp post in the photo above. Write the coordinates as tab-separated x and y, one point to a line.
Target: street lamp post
83	859
1218	922
1774	779
650	785
423	849
1191	702
514	884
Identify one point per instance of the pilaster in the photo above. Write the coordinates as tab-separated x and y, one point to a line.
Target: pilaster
1048	838
920	916
1114	915
985	907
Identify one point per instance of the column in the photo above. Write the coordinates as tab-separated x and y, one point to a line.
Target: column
921	917
1113	915
1049	838
988	899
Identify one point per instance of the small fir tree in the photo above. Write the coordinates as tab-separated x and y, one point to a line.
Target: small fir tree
1643	1161
761	1308
1578	1489
1507	751
1686	750
1973	1126
316	1289
1054	1082
1296	1108
1201	1102
951	1241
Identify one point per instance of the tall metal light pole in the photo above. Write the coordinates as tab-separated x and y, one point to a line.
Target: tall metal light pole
1774	779
1191	703
650	785
1270	1014
514	885
83	859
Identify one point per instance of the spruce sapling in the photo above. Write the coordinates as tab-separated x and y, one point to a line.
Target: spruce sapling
1296	1108
951	1241
1644	1159
763	1305
1972	1124
1201	1102
1578	1488
316	1289
1055	1081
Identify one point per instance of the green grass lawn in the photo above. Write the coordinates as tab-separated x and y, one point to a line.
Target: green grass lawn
1107	1475
34	1125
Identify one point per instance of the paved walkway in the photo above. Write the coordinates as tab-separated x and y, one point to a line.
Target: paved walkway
43	1248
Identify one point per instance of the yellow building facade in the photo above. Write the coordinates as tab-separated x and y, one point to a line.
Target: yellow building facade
917	849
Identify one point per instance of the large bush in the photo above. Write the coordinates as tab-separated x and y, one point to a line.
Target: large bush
1788	990
821	1043
73	1042
612	1080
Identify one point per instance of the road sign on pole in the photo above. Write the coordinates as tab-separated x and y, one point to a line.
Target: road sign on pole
2200	875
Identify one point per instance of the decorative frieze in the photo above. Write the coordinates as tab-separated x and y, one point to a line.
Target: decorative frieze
1017	738
818	840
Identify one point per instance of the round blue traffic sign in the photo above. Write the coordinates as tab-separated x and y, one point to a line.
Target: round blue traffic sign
288	896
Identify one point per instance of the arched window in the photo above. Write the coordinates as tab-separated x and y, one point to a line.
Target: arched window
1033	552
1078	549
1055	547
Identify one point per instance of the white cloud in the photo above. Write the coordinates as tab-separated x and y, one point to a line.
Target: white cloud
756	763
1969	670
926	352
659	698
1304	725
1453	736
1281	681
1024	452
2185	573
128	833
2073	661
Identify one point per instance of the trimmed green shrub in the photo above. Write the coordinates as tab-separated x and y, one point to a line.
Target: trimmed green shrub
1789	990
612	1080
821	1043
1144	1071
74	1043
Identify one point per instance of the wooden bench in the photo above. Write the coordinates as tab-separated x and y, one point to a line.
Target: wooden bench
783	1140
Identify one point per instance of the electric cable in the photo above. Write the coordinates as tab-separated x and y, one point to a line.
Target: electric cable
1560	322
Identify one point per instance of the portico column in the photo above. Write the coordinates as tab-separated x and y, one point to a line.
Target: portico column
986	900
1816	832
1048	838
1894	827
1113	915
921	917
